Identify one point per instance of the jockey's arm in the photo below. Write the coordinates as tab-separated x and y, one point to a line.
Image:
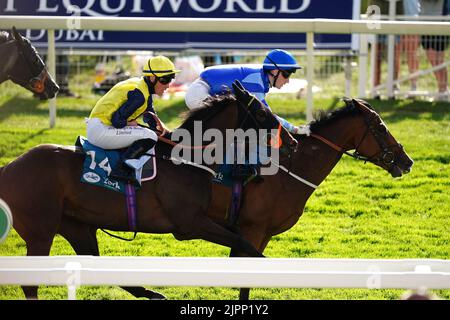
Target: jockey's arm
153	121
120	117
289	126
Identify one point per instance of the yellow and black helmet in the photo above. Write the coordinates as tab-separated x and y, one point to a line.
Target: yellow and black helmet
160	66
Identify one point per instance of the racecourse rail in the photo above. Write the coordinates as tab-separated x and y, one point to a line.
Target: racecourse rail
73	271
168	24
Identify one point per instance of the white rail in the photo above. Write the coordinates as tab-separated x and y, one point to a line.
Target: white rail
167	24
74	271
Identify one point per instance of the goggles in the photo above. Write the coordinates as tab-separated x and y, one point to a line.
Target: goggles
166	79
287	73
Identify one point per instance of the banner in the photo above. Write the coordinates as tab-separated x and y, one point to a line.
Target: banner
126	40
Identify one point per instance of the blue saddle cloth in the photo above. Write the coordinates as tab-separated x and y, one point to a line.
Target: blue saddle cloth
98	164
223	175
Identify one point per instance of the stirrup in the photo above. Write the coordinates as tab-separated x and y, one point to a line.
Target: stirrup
125	175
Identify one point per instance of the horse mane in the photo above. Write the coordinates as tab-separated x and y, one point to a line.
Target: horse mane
323	118
211	106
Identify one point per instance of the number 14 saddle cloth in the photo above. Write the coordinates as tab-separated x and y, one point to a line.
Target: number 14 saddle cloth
99	162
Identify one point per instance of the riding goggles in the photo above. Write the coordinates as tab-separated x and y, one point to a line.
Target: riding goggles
287	73
166	79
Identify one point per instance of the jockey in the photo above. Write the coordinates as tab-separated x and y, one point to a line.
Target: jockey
112	123
277	67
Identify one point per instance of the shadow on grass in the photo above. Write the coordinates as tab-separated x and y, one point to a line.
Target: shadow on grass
398	110
27	106
33	135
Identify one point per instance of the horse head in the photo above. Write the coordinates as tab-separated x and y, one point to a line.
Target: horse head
377	145
29	70
264	119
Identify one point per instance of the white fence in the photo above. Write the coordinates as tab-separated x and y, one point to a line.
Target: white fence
308	26
74	271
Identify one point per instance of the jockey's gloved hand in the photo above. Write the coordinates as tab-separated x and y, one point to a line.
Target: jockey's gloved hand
302	130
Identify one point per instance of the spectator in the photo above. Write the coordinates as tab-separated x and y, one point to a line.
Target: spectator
410	43
435	46
62	76
382	39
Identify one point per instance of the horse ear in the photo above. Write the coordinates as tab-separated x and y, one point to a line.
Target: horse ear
362	104
239	91
357	104
239	84
348	101
17	35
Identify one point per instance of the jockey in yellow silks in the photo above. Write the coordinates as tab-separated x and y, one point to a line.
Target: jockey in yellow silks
112	123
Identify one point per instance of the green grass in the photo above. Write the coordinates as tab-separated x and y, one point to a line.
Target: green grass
359	211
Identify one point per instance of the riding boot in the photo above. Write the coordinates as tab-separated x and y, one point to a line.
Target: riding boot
137	149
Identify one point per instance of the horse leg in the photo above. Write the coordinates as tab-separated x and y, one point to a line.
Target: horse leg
255	238
206	229
36	248
83	240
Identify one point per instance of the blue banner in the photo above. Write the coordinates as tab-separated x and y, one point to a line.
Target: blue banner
88	39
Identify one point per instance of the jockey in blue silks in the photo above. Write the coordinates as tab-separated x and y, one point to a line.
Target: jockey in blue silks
277	67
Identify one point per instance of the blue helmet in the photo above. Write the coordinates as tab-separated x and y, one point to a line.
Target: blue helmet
281	60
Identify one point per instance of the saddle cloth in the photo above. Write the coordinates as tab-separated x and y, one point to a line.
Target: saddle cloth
98	164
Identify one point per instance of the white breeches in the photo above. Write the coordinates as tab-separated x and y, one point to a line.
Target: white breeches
108	137
196	93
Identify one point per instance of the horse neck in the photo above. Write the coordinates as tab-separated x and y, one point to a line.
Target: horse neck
226	119
315	160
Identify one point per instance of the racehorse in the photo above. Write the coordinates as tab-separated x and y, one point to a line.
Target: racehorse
275	205
22	65
43	189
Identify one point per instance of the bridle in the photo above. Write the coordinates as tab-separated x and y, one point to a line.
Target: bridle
385	155
36	83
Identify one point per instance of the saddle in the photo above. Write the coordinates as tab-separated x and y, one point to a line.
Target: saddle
98	164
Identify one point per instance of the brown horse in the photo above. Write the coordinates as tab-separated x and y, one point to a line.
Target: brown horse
22	64
275	206
43	189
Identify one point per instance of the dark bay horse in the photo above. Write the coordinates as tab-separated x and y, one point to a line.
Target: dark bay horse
275	206
21	63
43	189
